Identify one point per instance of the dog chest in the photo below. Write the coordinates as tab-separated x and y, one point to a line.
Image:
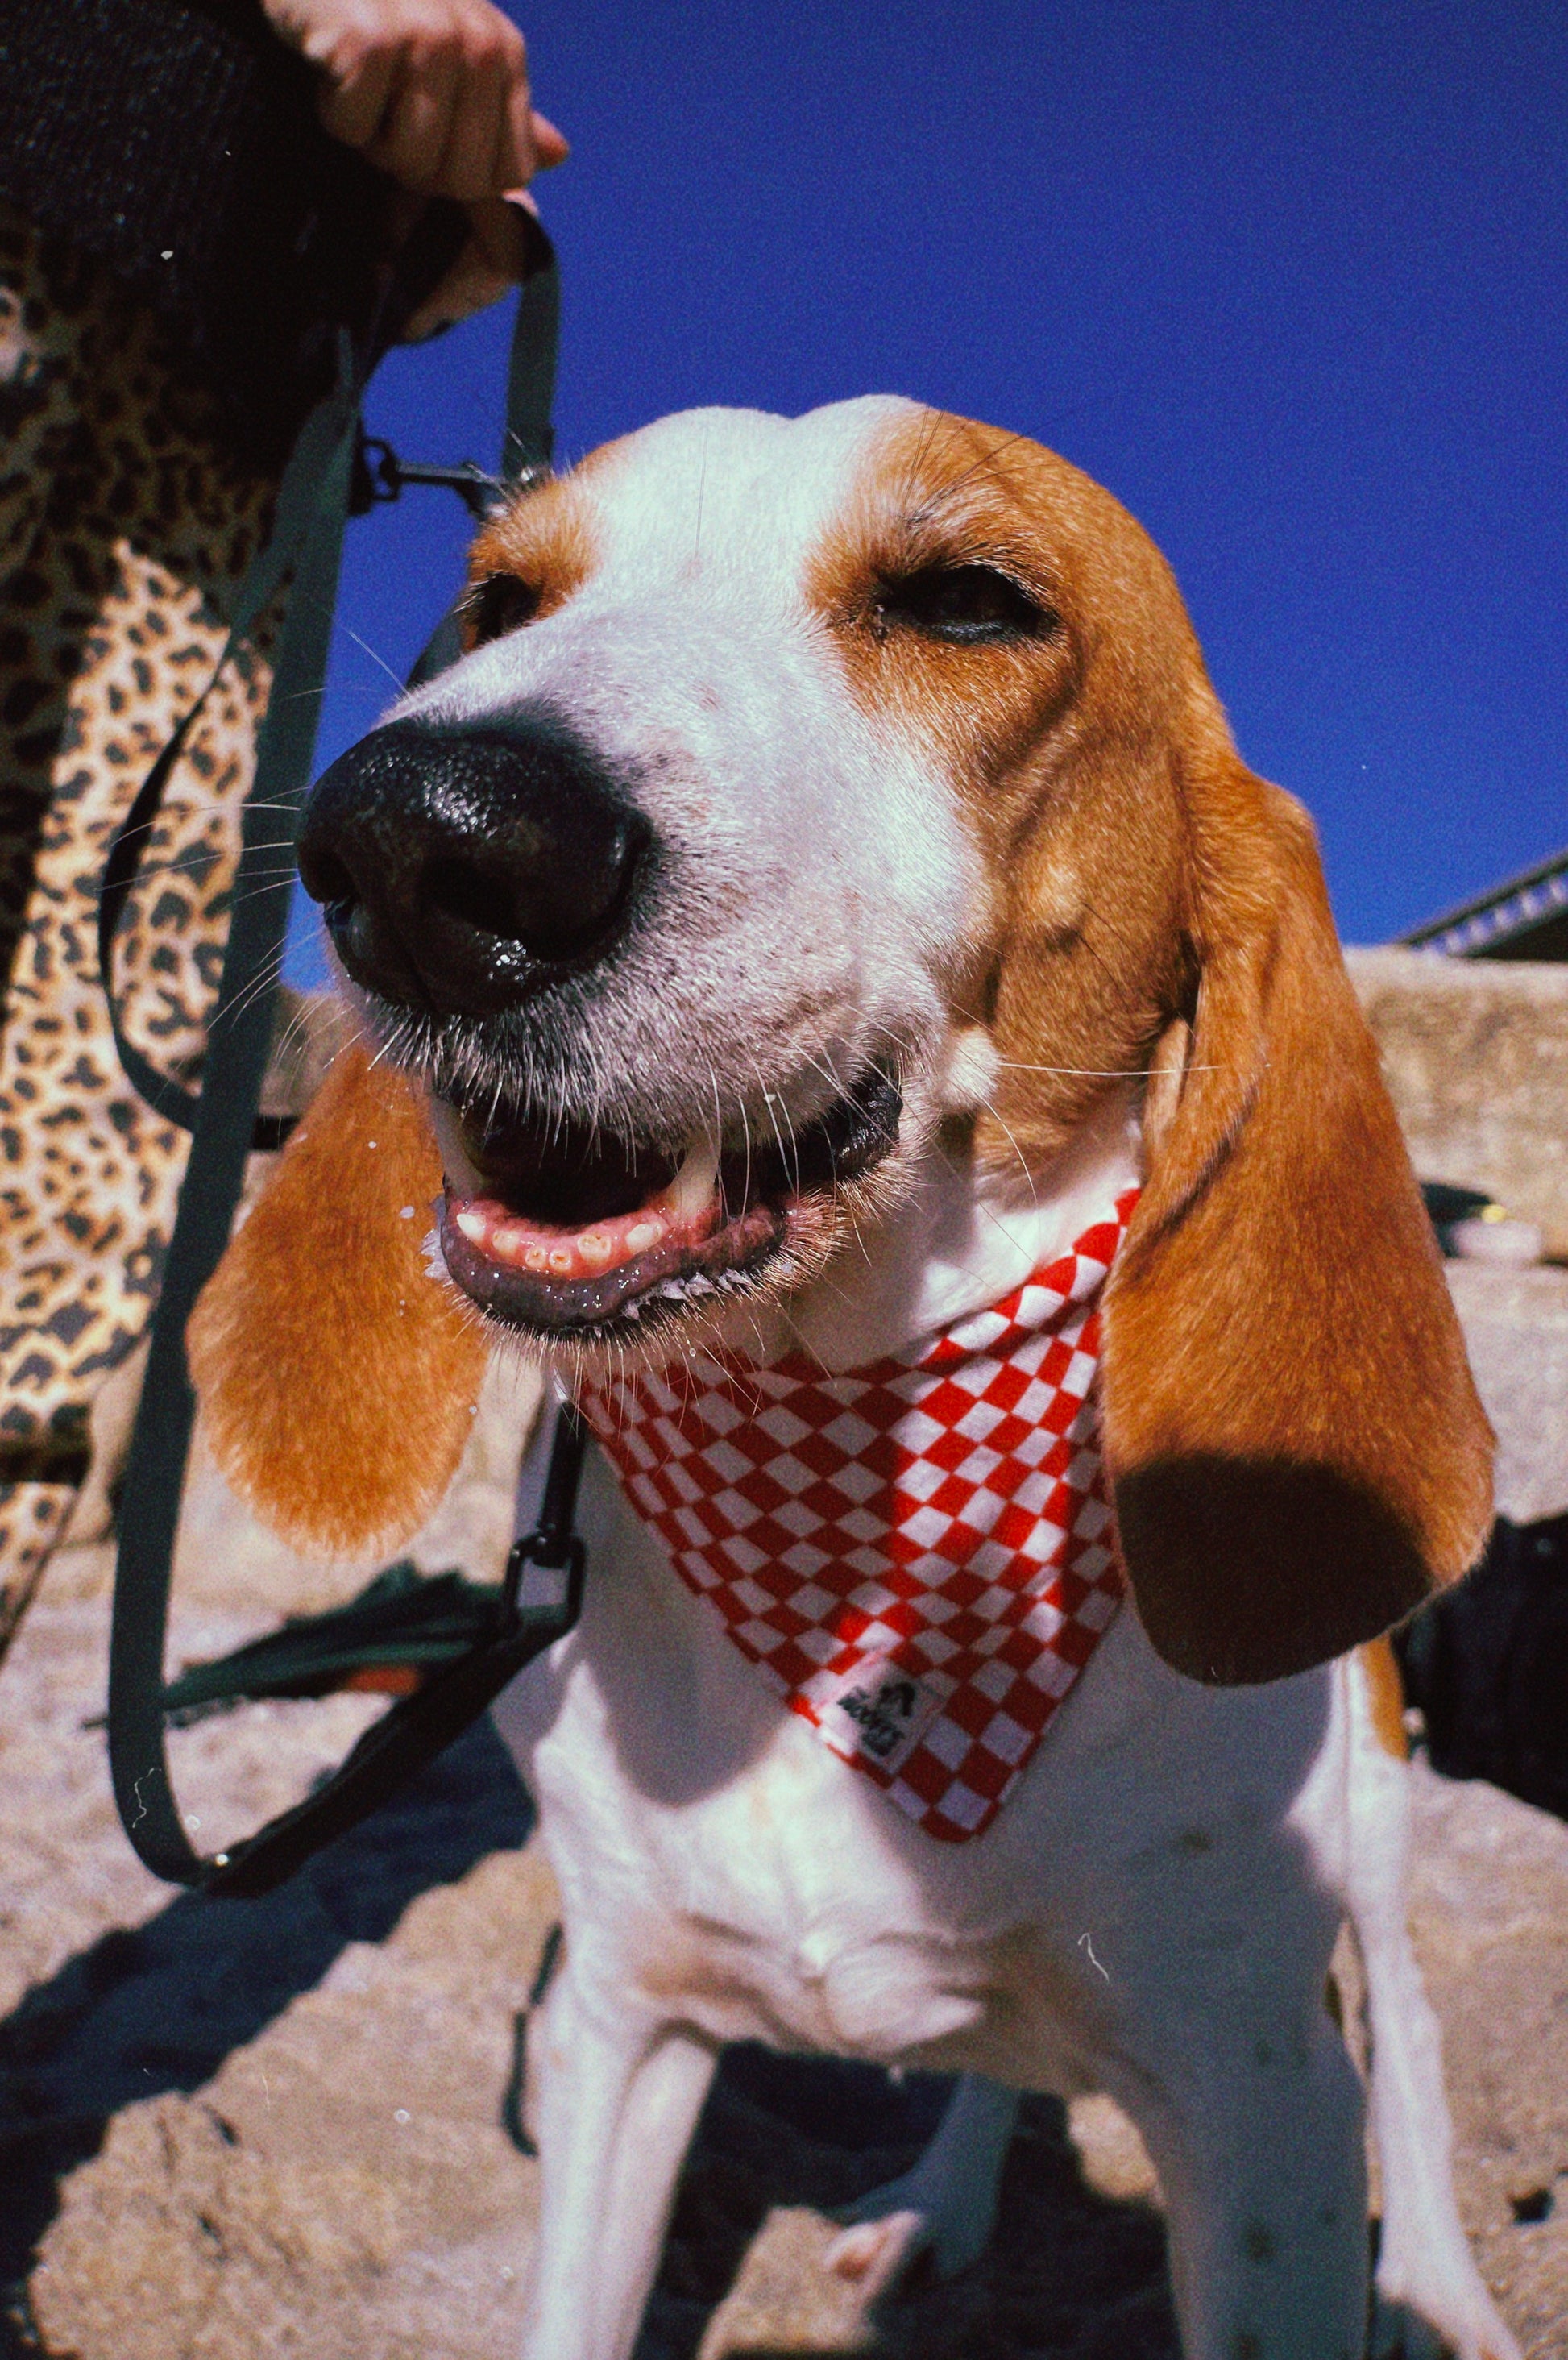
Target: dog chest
716	1856
717	1859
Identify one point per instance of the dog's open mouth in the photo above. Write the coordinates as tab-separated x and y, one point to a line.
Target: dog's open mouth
570	1231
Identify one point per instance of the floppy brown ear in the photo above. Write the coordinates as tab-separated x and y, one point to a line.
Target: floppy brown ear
1297	1452
336	1378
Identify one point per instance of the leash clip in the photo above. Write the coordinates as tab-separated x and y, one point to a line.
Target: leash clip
380	476
545	1609
556	1600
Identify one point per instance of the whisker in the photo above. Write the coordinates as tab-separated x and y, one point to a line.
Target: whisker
701	487
719	1140
783	1150
1105	1073
990	1107
260	983
384	1051
860	1241
827	1072
989	1211
262	885
296	1028
210	853
989	459
366	646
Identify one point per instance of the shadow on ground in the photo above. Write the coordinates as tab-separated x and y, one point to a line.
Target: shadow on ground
1072	2275
159	2006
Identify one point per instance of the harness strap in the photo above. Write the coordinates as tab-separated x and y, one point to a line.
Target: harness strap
312	502
528	444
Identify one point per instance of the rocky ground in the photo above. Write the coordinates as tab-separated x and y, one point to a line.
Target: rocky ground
236	2129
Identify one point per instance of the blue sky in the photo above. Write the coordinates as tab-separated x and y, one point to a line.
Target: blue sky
1290	279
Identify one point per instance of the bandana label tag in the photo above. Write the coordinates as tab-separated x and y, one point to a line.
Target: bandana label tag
876	1708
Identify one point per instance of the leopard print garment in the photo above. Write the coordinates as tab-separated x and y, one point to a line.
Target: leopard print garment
123	527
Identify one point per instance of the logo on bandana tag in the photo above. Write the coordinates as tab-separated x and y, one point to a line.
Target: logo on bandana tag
878	1710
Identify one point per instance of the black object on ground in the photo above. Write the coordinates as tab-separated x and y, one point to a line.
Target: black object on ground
401	1627
1446	1206
1486	1665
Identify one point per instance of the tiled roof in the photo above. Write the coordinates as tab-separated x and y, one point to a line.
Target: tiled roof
1525	917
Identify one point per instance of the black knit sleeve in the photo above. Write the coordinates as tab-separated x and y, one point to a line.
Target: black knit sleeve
178	142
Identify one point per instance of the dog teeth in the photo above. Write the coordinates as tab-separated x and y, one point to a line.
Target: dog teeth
692	1190
559	1254
456	1161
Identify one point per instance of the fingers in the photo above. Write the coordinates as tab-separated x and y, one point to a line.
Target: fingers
550	147
501	238
411	139
491	261
473	280
354	99
434	93
479	146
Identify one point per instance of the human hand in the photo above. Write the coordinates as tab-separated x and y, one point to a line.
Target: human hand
494	255
434	93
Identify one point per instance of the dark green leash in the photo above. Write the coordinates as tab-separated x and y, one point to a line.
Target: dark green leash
540	1599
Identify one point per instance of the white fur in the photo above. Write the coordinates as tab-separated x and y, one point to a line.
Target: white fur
1153	1910
724	1877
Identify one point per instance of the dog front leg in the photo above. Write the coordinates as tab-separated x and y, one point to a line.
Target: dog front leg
1266	2194
616	2096
1432	2299
1225	2054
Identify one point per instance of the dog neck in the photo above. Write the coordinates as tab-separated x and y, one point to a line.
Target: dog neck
963	1241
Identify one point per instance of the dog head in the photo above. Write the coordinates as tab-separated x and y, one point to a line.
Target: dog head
815	797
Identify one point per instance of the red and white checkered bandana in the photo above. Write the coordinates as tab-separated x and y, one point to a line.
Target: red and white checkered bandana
916	1554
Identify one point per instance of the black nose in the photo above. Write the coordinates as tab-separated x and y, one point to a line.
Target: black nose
460	870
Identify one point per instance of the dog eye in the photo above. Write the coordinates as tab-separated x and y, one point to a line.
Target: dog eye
500	605
968	605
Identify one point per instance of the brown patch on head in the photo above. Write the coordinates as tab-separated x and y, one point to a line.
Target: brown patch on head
336	1377
1056	742
1296	1449
528	561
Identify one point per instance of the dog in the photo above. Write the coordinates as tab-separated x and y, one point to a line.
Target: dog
820	949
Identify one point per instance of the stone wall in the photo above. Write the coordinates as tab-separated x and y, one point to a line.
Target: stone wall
1475	1056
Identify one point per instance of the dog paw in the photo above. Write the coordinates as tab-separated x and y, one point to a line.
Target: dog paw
952	2193
807	2285
873	2253
954	2228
